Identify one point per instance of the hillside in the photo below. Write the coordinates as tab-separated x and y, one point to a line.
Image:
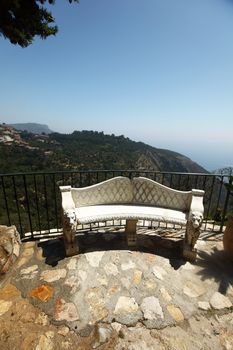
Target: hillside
24	151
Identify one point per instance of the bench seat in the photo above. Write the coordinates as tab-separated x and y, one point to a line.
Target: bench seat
98	213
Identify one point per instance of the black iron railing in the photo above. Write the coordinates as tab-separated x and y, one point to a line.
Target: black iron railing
32	202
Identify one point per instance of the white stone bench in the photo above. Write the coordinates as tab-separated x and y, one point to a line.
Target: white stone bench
138	199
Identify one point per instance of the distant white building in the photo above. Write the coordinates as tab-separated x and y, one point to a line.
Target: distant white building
6	138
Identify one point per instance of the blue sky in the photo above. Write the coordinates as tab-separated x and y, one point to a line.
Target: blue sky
157	71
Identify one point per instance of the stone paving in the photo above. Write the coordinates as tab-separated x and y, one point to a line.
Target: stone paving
117	298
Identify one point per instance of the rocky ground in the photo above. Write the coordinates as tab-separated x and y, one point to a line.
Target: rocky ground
111	298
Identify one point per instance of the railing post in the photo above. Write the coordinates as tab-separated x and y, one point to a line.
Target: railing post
226	202
6	202
27	204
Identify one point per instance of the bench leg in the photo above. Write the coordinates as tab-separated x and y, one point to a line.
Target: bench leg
191	237
71	246
130	230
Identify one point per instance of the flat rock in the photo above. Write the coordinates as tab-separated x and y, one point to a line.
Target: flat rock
9	292
151	308
63	331
150	284
125	305
71	281
29	273
102	335
128	265
29	270
94	258
137	277
82	275
165	295
4	306
204	305
43	292
193	290
116	326
219	301
65	311
175	312
45	341
42	319
72	264
159	272
53	275
111	269
188	266
96	303
126	282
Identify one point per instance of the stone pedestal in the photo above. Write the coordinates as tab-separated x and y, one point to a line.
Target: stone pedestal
9	247
130	230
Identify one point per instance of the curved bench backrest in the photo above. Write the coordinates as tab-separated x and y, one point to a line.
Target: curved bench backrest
114	191
149	192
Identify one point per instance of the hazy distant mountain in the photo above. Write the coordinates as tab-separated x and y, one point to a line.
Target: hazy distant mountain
35	128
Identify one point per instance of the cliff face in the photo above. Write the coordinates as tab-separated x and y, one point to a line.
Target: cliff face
32	127
165	160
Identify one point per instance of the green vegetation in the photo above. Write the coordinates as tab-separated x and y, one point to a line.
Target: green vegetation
88	150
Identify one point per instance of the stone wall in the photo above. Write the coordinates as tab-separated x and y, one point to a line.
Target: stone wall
9	247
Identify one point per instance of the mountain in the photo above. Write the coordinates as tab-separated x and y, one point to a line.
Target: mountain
32	127
24	151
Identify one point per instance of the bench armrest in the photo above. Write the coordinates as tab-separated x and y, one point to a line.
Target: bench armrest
67	200
196	208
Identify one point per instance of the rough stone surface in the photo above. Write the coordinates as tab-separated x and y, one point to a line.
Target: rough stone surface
87	297
9	247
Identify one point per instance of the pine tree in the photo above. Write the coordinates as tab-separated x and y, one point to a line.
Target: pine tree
22	20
